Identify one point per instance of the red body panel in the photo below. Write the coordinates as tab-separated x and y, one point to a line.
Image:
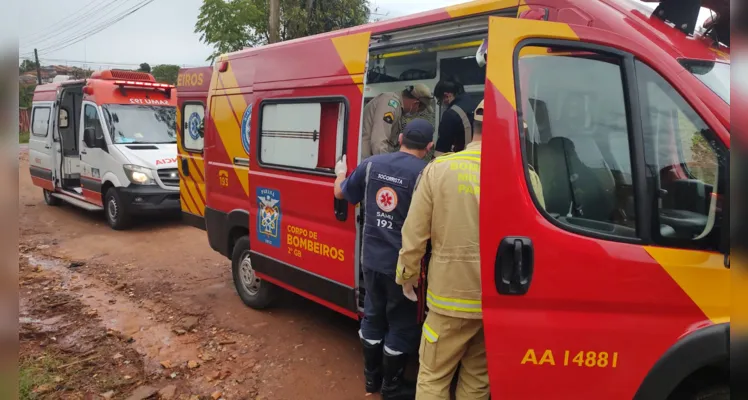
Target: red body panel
587	294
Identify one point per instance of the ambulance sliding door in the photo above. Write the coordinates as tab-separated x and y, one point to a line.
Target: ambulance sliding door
302	238
307	113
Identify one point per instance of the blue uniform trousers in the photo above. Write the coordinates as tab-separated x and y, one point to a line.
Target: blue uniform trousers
388	314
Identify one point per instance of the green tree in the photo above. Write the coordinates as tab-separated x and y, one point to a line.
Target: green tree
166	73
80	73
25	95
231	25
144	67
26	66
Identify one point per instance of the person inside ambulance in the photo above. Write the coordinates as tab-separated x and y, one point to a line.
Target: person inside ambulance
455	126
444	210
383	114
390	329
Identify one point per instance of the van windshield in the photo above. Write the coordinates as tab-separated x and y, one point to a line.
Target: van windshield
132	123
715	75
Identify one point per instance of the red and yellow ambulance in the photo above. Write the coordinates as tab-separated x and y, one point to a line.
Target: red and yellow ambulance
608	280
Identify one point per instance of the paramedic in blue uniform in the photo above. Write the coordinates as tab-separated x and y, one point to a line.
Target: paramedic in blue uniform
385	183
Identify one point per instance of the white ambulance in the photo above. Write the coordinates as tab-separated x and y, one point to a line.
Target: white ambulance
107	143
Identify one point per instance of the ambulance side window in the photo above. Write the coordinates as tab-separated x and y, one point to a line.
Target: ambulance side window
193	127
577	139
302	134
40	121
685	166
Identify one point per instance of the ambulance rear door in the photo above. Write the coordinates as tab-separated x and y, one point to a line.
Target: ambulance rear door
42	157
192	86
600	222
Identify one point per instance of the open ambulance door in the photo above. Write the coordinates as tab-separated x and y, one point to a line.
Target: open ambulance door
577	301
42	157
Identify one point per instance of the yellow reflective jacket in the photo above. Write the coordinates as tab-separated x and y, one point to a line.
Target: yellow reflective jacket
444	209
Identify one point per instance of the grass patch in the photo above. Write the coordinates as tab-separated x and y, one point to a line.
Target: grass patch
34	372
23	137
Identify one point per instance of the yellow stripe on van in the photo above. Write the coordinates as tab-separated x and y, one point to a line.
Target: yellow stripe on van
353	50
702	276
227	121
501	46
479	7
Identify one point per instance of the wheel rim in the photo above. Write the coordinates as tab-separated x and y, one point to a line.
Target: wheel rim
249	280
112	209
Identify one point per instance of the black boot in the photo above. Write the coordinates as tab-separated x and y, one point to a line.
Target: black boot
372	366
395	387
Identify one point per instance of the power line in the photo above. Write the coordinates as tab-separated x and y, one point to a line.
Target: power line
50	28
93	22
69	41
98	12
110	63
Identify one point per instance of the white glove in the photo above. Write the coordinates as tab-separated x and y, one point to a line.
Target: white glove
341	168
409	292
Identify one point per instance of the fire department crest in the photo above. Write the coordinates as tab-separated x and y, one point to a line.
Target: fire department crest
268	216
386	199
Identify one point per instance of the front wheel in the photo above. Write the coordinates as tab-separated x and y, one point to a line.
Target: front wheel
253	291
116	214
51	200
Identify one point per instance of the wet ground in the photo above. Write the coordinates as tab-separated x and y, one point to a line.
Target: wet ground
154	307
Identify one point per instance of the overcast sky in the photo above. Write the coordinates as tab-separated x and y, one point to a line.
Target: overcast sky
162	32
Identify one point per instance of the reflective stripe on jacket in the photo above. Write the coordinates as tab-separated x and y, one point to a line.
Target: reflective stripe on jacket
444	210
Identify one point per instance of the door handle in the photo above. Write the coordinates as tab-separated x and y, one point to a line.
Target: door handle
513	268
341	209
186	166
46	146
242	162
84	152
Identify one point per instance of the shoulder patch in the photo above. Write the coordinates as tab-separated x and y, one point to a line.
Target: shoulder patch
389	117
393	103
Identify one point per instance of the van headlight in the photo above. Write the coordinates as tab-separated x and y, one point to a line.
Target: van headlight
139	175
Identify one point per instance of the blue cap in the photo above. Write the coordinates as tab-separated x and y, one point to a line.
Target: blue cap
419	131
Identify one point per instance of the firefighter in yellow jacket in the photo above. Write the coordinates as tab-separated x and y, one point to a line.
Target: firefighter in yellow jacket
444	210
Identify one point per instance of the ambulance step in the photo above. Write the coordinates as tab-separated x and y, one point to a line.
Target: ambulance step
78	203
78	190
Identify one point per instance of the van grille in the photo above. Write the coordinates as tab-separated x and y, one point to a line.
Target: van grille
169	176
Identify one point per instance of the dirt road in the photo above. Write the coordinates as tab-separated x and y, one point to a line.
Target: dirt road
161	291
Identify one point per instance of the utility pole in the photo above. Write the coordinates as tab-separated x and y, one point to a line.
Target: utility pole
274	23
38	68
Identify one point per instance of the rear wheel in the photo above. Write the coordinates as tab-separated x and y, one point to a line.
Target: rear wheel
51	200
253	291
116	214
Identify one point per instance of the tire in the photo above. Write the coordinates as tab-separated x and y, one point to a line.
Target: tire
51	200
116	213
717	392
253	291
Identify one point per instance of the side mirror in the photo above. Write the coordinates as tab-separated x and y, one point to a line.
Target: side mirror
89	138
63	119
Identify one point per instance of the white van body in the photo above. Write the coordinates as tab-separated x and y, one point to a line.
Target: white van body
101	145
